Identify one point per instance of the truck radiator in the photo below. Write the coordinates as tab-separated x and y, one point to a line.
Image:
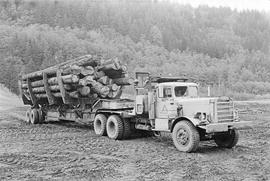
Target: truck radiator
225	110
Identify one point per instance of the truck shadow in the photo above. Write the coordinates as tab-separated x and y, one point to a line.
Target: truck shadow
135	134
204	146
209	147
165	139
72	124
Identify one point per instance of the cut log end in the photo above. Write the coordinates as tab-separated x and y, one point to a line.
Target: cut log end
88	70
84	91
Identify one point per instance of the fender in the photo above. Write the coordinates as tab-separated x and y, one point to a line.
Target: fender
122	113
194	121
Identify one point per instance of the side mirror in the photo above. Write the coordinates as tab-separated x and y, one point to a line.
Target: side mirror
136	82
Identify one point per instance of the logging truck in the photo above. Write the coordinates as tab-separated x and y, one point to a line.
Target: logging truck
77	91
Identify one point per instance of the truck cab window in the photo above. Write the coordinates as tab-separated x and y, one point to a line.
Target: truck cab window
193	91
180	91
167	92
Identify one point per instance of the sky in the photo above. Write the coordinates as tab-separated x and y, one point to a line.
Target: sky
261	5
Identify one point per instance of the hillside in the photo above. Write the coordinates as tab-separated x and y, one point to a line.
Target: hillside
8	100
224	47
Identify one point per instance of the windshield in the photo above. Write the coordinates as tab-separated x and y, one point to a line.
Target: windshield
180	91
193	91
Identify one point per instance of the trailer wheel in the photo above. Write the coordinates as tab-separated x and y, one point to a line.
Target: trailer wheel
228	139
100	125
28	115
41	116
127	129
185	136
34	116
115	127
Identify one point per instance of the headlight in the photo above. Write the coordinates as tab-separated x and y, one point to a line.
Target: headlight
201	116
235	115
139	109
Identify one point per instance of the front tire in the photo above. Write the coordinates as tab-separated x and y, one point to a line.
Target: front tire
115	127
228	139
185	136
100	125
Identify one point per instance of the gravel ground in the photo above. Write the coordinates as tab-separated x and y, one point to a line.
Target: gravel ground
69	151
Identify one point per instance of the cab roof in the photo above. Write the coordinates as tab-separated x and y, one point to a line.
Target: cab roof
178	84
168	79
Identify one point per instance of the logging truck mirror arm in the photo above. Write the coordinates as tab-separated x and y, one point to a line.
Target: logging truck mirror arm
136	82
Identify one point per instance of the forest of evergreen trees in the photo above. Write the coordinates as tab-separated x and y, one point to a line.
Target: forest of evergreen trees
224	47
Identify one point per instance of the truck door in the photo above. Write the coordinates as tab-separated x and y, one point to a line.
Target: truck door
165	106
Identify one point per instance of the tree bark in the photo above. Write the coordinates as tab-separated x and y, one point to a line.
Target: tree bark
84	91
93	96
37	83
113	87
87	76
73	69
113	66
57	88
117	94
65	78
86	80
123	68
83	60
98	74
113	74
56	94
110	95
74	94
123	81
100	89
88	70
52	87
38	90
104	80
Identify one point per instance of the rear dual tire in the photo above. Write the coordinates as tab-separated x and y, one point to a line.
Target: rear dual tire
35	116
28	116
114	127
100	125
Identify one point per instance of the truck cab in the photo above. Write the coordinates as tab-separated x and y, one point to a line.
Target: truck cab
169	96
172	104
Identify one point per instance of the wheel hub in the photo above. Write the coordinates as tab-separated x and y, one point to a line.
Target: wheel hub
98	124
111	128
182	137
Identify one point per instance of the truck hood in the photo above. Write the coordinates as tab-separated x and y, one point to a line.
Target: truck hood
191	106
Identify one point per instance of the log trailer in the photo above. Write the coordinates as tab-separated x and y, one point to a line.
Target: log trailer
160	104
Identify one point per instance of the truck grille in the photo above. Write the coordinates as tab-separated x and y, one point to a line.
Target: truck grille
225	110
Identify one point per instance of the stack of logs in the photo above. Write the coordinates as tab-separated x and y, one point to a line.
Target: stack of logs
87	76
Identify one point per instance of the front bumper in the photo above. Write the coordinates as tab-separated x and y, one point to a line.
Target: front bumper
223	127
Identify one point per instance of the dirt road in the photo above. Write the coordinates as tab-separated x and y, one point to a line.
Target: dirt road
68	151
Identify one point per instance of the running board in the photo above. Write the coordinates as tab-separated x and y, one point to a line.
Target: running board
143	127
